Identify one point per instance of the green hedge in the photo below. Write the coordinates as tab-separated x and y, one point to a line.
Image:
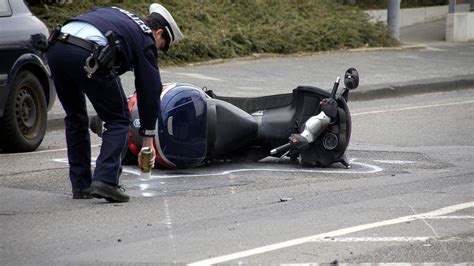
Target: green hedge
235	28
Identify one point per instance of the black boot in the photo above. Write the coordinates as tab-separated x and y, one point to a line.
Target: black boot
111	193
84	193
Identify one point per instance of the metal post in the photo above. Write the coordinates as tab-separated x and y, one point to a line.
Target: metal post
452	6
393	18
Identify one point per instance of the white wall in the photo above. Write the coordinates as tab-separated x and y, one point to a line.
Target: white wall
412	16
460	27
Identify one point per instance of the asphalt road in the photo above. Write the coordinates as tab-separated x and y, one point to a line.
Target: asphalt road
407	198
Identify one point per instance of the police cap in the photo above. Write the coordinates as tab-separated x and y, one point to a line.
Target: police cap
160	13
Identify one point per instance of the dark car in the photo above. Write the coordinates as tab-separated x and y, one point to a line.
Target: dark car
26	88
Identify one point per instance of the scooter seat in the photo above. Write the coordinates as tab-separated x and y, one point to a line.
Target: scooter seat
253	104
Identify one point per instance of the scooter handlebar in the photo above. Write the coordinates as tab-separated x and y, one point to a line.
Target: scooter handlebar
281	148
335	87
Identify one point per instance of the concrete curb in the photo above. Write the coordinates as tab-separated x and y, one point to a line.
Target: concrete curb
366	93
381	91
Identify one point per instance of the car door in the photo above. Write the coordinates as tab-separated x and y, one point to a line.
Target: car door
7	58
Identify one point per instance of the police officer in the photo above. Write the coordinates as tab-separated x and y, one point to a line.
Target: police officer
86	56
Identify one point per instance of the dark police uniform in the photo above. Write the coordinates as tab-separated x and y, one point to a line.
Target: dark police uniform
66	60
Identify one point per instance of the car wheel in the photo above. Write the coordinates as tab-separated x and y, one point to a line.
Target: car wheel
23	125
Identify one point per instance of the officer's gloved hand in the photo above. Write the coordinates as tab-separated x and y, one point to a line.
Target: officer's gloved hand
147	142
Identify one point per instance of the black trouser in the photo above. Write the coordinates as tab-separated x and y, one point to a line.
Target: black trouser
106	95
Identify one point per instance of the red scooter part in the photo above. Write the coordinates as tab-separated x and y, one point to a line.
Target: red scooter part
134	147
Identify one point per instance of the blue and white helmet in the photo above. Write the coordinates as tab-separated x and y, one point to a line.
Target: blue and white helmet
167	21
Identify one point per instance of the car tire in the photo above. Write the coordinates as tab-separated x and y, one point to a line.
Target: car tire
23	124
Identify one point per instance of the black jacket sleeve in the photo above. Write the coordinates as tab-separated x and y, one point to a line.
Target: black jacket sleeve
148	86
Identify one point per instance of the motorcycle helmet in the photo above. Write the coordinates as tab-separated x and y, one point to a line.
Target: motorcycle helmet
181	136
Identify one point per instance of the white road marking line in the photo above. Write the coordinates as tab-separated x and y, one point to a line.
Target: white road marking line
374	239
197	76
250	88
340	232
411	108
39	152
430	48
62	160
393	239
454	217
393	162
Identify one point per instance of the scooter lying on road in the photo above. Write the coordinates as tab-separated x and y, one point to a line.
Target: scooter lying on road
196	126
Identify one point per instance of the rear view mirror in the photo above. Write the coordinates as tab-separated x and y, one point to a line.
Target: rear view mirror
351	79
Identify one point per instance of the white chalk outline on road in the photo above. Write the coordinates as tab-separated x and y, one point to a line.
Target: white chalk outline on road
136	171
411	108
373	169
340	232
